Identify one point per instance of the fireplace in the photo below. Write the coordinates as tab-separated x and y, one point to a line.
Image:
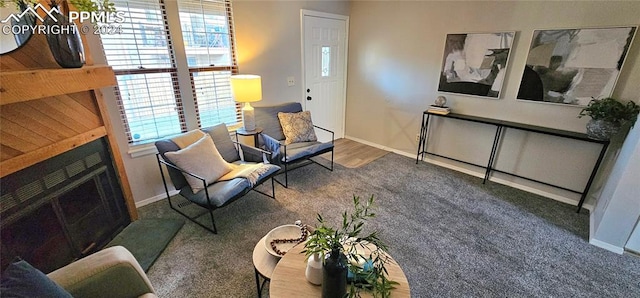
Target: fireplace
61	209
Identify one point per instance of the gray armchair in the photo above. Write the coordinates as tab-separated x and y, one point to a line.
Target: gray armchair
294	155
112	272
219	193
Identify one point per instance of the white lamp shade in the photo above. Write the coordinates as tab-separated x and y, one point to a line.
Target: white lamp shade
246	88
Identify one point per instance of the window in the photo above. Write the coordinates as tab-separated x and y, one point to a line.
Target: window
207	42
152	104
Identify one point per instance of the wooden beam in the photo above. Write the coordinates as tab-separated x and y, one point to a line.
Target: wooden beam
28	159
117	156
25	85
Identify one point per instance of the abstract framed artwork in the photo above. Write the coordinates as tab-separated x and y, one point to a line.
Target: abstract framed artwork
475	63
573	66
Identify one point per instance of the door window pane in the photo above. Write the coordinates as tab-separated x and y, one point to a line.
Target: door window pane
326	61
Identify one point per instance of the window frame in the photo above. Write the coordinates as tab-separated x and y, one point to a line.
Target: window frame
184	88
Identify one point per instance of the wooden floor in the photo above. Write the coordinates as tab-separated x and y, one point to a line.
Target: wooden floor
352	154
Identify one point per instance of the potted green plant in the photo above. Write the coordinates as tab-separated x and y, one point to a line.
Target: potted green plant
347	248
607	116
19	3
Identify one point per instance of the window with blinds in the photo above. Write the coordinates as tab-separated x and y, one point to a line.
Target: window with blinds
144	60
206	32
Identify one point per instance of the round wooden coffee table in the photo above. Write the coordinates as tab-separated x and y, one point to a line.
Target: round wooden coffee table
288	280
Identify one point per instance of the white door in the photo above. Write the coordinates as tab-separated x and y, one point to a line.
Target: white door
324	58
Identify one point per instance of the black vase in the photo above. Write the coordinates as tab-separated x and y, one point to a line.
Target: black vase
334	275
64	41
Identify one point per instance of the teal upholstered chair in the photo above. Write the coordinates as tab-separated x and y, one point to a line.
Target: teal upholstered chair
220	193
293	155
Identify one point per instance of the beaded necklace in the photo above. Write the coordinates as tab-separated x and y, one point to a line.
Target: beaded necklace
303	236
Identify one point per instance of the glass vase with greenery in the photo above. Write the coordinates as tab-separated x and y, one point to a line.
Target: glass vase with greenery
367	270
611	110
608	115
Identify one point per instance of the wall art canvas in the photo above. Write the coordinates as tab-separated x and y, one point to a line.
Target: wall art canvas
573	66
475	63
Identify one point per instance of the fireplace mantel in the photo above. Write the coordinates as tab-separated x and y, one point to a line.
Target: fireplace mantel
51	82
46	85
47	110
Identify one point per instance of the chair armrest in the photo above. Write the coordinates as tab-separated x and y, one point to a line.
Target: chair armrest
273	146
329	131
252	154
112	272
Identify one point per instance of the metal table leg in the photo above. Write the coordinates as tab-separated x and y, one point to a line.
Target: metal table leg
260	285
593	176
494	149
422	141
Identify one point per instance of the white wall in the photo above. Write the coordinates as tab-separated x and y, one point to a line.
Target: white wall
269	43
618	208
396	50
395	53
634	240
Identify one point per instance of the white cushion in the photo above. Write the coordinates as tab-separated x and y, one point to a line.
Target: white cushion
200	158
188	138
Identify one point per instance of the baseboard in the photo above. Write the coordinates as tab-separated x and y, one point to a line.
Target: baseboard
601	244
592	226
477	174
454	167
155	199
607	246
540	192
396	151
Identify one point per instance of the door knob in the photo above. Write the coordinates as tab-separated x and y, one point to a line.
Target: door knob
308	97
308	90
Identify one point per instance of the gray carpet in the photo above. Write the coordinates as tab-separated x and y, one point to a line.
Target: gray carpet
452	235
147	238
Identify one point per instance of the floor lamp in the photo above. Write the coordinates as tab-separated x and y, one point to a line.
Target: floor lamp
247	89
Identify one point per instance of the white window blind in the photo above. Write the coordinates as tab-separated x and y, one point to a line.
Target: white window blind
214	101
143	42
148	101
144	64
209	47
206	32
144	60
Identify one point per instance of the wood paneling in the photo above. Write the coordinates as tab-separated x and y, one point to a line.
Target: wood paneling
56	129
117	156
33	55
27	126
47	110
35	156
24	85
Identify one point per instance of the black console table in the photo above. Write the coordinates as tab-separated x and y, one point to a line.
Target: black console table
500	126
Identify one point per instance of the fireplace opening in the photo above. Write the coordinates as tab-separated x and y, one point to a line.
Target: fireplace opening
61	209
